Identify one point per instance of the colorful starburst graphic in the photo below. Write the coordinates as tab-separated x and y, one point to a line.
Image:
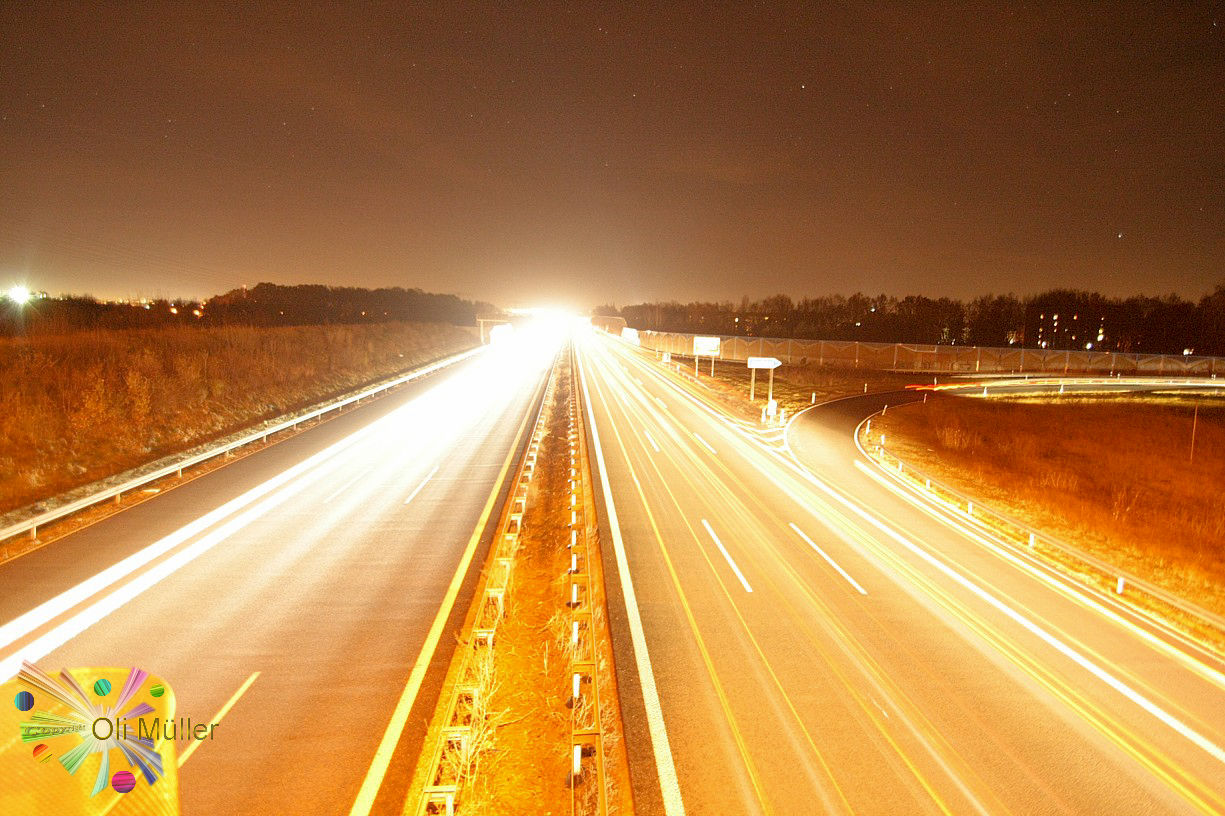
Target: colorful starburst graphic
100	727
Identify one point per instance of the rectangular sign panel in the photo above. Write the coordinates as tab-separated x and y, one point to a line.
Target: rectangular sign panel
706	347
764	362
629	335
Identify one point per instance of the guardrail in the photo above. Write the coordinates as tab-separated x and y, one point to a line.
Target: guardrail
30	526
586	725
466	719
1021	533
983	387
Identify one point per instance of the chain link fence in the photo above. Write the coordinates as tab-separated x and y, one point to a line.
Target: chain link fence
952	359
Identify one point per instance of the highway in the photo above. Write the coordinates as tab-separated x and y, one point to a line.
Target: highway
295	590
794	636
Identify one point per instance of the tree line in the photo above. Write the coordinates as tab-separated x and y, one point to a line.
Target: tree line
266	304
1057	319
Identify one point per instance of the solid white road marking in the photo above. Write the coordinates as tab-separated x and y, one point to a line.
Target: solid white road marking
668	783
705	444
730	562
829	560
651	439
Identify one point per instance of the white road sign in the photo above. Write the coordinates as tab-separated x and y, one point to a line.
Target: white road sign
705	346
764	362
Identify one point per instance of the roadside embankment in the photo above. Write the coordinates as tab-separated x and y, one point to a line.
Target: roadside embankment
1117	477
82	406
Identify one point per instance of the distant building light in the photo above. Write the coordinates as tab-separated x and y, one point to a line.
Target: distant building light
1088	345
174	309
1187	352
197	313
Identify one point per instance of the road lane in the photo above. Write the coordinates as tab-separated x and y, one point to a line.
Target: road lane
927	694
328	594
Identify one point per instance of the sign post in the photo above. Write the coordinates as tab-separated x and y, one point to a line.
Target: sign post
705	347
762	362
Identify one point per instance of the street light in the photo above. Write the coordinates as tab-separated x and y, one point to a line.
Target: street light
19	295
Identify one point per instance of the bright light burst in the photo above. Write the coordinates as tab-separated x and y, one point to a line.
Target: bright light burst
19	295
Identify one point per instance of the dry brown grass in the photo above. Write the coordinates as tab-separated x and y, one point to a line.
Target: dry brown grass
1114	476
78	407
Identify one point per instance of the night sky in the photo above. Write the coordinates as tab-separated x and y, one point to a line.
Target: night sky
574	155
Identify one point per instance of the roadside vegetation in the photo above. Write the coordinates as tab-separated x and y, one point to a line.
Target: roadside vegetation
81	406
1113	476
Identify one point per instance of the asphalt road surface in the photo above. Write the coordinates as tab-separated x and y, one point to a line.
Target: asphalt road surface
297	585
796	636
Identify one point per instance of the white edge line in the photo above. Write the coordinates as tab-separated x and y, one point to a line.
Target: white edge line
829	560
668	783
651	439
728	557
220	714
424	482
705	444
